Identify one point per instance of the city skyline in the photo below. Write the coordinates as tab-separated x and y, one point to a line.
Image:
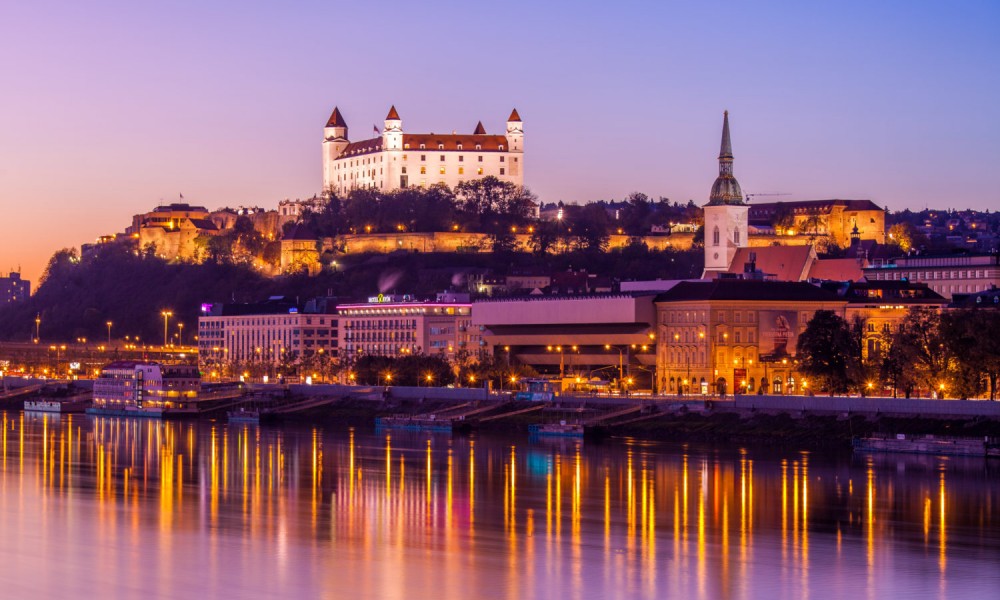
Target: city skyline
123	107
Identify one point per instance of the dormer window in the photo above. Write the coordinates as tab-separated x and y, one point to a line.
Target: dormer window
479	147
501	148
406	146
460	146
423	147
440	146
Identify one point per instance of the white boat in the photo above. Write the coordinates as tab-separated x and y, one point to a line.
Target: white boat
56	406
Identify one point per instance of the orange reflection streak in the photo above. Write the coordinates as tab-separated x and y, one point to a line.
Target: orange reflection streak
388	467
548	502
450	496
805	525
558	496
784	510
472	487
795	510
943	537
607	515
701	536
870	527
427	492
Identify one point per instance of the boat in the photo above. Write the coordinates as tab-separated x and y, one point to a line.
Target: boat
414	423
146	412
560	429
929	444
244	416
56	406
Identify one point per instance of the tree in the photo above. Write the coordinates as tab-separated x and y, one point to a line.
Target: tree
783	218
973	337
590	228
829	351
919	343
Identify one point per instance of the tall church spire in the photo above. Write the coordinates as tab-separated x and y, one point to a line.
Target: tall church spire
726	190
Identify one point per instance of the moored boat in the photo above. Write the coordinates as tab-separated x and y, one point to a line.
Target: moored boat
560	429
928	444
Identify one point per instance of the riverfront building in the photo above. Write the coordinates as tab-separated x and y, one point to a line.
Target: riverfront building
727	334
268	333
947	274
134	384
13	289
388	325
603	336
395	159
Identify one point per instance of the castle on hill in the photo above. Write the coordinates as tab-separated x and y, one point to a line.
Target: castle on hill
395	159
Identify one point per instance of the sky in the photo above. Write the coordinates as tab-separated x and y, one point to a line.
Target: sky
108	108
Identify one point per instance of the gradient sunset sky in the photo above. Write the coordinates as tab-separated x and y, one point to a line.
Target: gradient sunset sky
109	108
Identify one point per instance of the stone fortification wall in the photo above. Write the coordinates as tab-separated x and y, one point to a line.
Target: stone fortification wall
472	242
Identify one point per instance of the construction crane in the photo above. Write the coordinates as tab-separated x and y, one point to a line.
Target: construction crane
749	196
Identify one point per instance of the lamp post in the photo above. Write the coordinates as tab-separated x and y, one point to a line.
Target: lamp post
180	334
109	324
562	357
166	317
38	325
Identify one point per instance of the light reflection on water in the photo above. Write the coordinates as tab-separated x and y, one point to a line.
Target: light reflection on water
129	508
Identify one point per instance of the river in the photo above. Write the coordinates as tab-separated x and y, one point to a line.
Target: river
120	508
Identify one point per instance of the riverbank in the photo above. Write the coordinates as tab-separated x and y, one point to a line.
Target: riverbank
719	424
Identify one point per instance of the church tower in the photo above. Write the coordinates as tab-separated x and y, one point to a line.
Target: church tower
334	143
726	214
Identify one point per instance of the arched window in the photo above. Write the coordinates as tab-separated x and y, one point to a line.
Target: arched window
715	236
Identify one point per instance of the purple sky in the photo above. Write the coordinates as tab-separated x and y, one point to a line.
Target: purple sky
108	107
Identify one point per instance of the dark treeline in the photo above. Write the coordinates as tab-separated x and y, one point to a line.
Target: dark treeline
75	298
954	354
498	209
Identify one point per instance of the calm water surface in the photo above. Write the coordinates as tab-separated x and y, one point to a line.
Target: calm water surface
117	508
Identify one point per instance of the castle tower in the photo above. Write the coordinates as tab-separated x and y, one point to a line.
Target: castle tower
515	132
392	134
334	142
515	144
726	214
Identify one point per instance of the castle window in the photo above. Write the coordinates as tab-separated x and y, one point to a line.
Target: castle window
442	170
422	146
461	170
423	170
442	158
515	159
501	159
480	158
736	237
404	156
441	147
715	236
501	170
479	147
404	170
479	171
423	157
460	146
460	157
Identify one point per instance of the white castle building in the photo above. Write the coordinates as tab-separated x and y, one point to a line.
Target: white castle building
726	221
397	160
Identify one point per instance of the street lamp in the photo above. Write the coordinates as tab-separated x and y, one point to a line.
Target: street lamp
562	357
166	317
109	324
180	334
38	324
